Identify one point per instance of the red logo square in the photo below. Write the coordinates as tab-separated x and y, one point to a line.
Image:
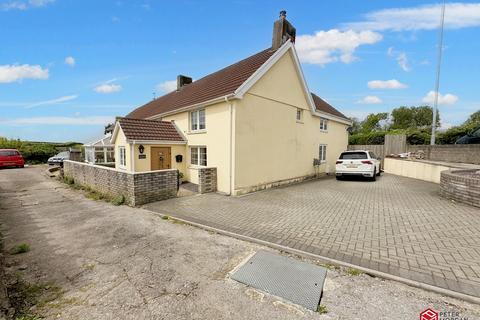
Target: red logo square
429	314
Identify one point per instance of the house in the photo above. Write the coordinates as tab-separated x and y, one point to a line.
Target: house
255	122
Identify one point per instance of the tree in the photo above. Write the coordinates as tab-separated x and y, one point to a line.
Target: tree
454	133
473	120
372	122
413	117
356	126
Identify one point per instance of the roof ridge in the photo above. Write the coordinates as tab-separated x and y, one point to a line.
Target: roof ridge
136	119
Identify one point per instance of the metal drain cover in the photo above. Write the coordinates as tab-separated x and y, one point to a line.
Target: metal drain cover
293	280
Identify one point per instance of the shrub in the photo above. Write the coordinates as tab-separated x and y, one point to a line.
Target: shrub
20	248
418	137
68	180
451	135
375	137
118	200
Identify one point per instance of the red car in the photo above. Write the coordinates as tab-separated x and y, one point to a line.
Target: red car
11	158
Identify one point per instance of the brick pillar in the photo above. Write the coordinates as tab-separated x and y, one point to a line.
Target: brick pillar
207	180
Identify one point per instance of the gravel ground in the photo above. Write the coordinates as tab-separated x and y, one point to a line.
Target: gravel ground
108	262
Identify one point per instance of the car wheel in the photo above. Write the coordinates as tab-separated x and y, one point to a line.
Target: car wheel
374	175
338	177
379	171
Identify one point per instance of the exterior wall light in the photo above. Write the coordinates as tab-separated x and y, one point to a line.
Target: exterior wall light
141	149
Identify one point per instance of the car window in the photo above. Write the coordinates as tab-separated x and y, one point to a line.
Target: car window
354	155
8	153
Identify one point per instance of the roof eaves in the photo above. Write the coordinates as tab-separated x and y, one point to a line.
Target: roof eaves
330	116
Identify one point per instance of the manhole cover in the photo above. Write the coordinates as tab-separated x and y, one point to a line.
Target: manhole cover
293	280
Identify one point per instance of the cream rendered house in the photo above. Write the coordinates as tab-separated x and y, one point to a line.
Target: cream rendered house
255	121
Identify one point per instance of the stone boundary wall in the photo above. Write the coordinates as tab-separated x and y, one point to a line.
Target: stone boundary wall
416	169
207	180
460	153
137	188
461	185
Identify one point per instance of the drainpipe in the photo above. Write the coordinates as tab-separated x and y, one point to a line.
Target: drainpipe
231	145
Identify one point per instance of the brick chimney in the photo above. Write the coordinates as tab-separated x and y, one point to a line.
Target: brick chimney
183	81
282	31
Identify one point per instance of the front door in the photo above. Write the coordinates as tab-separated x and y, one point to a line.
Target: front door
161	158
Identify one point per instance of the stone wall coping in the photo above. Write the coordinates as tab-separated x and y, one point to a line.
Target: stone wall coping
117	170
454	165
463	174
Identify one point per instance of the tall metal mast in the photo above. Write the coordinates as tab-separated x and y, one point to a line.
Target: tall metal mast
437	82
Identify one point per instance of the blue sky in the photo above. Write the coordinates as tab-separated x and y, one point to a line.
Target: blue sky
68	67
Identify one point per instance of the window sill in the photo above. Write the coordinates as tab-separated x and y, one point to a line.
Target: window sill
196	167
323	131
299	121
197	131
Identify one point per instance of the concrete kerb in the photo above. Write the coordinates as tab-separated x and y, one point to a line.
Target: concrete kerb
323	259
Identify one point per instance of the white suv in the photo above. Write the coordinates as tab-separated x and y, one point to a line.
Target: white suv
358	163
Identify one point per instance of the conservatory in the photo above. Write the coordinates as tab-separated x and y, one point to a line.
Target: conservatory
100	152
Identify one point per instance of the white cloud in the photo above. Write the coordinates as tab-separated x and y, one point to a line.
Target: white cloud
403	61
386	84
12	73
166	86
70	61
334	45
24	4
424	17
370	100
108	88
447	99
53	101
401	58
94	120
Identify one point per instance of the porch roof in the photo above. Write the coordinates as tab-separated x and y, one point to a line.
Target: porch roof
149	130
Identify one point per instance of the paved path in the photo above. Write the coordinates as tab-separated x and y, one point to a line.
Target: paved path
396	225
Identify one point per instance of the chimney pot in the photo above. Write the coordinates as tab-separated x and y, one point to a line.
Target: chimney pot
183	81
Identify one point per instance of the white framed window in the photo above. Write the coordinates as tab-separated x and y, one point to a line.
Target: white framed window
299	114
197	120
323	124
322	152
198	156
122	157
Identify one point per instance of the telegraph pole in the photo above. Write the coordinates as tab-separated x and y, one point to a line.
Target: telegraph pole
437	82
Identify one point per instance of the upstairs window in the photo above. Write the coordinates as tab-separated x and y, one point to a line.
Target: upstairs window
299	114
197	120
323	124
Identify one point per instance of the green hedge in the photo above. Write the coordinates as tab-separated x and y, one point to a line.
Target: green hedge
378	137
36	152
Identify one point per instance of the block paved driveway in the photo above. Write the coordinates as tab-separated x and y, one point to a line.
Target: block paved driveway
396	225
